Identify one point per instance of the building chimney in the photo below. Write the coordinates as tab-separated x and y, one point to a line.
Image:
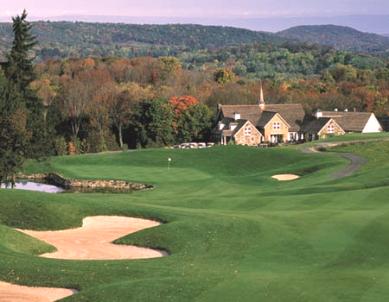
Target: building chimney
318	114
236	116
262	104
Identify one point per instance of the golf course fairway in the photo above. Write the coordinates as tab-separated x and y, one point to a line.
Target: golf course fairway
231	231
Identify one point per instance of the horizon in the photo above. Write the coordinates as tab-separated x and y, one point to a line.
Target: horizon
260	15
363	23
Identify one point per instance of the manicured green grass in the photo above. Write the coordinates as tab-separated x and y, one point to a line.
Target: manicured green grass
352	137
234	233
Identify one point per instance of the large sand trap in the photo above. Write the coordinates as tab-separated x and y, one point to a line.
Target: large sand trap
17	293
93	241
286	177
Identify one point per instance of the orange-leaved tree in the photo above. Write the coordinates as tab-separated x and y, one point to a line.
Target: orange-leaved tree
182	103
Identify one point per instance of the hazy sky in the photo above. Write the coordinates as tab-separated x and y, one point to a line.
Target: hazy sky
195	8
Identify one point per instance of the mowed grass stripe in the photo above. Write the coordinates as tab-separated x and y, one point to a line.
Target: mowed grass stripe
234	233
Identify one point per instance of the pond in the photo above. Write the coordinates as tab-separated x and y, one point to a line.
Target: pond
35	186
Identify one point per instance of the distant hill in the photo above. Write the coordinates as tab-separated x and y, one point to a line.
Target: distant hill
59	40
339	37
64	39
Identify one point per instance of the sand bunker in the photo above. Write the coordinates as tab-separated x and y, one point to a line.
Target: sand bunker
17	293
93	241
286	177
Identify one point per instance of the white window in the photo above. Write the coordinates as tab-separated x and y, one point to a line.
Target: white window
331	128
247	131
276	125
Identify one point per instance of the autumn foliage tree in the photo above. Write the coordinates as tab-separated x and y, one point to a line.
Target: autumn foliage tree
182	103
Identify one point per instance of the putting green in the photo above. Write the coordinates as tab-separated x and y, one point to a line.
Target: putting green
232	232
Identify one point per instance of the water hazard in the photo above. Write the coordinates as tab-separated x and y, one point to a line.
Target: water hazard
34	186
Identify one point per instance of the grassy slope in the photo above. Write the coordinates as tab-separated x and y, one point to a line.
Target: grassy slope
234	234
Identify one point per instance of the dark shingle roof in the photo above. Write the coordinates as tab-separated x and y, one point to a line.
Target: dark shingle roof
227	129
266	117
349	121
247	112
384	121
293	114
316	125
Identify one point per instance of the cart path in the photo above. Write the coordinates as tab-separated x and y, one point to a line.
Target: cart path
356	161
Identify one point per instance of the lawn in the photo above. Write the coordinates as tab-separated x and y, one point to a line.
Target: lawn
234	233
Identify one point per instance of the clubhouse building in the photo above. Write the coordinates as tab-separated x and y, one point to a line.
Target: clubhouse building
263	123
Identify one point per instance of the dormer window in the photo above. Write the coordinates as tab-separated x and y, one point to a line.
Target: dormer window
236	116
221	126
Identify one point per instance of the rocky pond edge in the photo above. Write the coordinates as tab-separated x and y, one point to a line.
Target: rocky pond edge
85	184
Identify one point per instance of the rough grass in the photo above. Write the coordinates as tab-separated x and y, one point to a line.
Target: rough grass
234	234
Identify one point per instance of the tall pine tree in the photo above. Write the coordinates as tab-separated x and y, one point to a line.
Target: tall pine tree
19	71
22	129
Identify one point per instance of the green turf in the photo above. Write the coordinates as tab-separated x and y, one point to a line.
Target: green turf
234	234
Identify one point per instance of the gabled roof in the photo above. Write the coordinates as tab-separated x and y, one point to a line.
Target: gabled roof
227	129
240	125
384	121
316	126
251	113
349	121
243	123
266	118
293	114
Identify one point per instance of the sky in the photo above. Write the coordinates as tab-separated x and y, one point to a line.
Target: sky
203	11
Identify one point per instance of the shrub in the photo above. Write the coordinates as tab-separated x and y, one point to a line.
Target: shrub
60	146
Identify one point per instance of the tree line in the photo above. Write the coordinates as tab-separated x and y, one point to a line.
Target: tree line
70	106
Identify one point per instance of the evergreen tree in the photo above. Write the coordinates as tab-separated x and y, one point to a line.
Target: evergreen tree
22	131
13	132
19	71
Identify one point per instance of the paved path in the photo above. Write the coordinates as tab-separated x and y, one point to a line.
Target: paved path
356	161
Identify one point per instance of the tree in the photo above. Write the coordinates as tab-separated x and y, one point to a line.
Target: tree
99	115
19	69
223	76
120	111
20	74
13	132
21	118
152	122
46	91
182	103
194	124
74	100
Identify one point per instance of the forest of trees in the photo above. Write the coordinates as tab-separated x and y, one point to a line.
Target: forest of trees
81	105
339	37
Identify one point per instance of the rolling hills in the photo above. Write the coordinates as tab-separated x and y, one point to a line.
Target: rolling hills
80	39
64	39
339	37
